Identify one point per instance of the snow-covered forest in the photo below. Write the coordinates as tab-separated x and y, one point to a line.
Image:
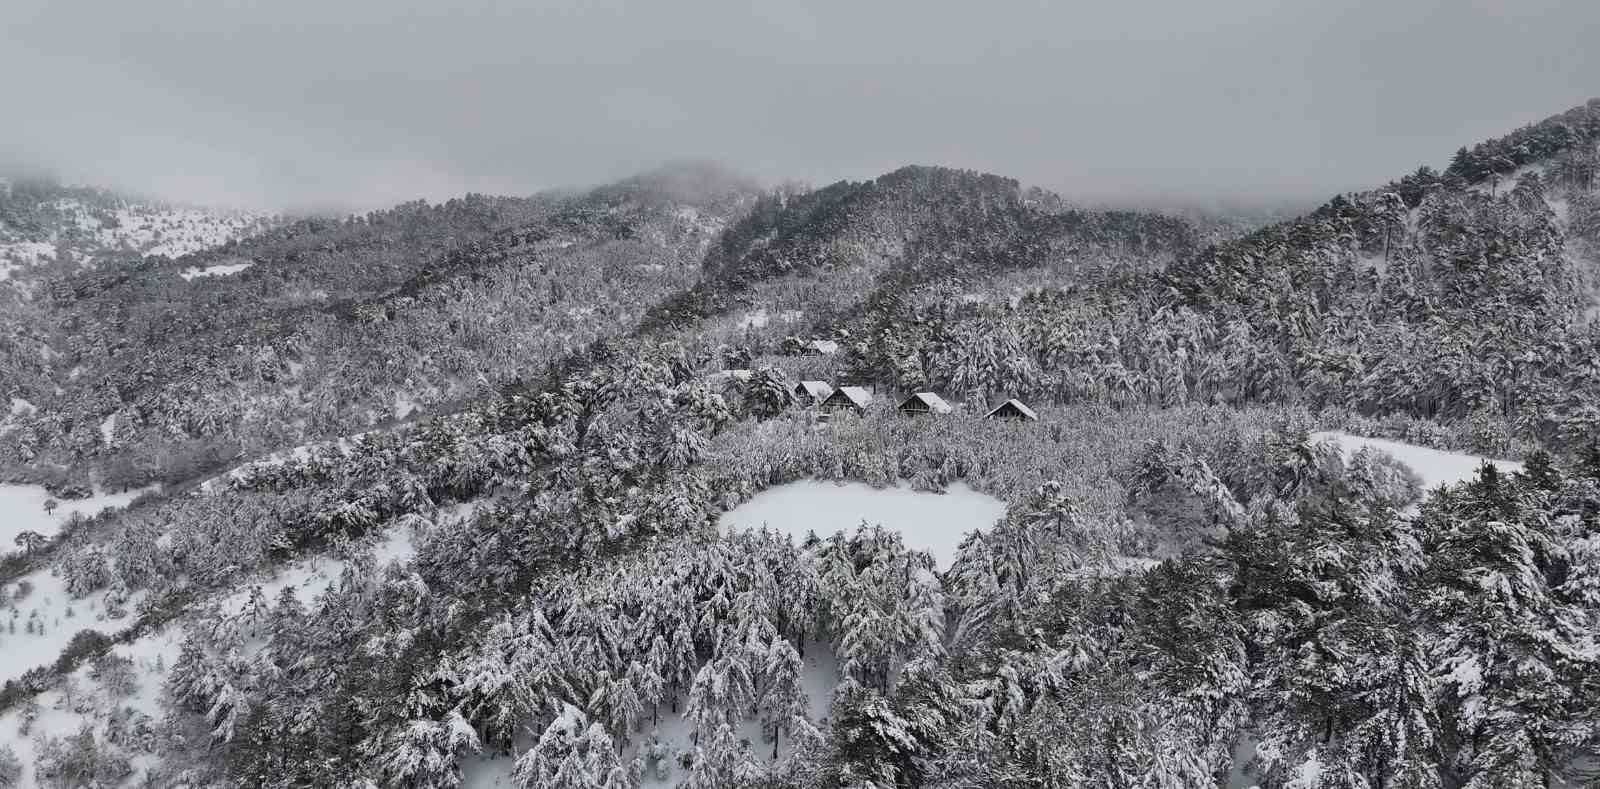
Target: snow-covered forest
520	492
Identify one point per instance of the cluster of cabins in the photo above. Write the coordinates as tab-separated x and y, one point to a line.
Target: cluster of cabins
856	399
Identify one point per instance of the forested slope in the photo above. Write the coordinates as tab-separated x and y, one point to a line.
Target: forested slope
1461	296
341	325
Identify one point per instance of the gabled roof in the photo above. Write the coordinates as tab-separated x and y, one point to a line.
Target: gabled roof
816	389
1017	404
935	403
823	346
857	396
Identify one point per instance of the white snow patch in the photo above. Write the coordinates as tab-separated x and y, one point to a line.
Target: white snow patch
1435	467
22	509
932	522
93	705
108	429
404	406
47	606
21	407
314	575
214	271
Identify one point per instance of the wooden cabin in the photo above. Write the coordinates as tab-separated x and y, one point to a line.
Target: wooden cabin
1013	409
812	392
819	348
924	403
848	398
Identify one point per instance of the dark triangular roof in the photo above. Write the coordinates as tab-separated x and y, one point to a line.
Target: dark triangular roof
852	395
1015	405
818	390
935	403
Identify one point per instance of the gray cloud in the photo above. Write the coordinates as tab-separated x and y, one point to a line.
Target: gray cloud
362	103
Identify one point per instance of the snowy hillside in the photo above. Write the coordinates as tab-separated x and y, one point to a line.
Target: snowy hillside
42	223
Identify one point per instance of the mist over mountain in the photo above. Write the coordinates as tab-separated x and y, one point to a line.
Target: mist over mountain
361	105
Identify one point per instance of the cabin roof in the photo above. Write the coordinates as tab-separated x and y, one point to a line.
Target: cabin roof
857	396
935	403
823	346
817	389
1017	404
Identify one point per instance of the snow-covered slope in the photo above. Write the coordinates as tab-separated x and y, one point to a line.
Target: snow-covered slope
43	222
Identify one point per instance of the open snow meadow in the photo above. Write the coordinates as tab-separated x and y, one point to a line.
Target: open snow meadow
119	696
1433	467
932	522
22	510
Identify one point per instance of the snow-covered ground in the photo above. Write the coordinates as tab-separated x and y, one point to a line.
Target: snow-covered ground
404	405
214	271
92	702
1433	466
81	232
151	654
108	429
22	509
35	628
932	522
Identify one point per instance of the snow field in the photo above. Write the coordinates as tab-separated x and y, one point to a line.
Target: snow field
932	522
35	628
22	509
151	654
214	271
1435	467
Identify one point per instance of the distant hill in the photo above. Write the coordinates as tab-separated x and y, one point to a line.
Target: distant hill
1466	294
43	222
326	327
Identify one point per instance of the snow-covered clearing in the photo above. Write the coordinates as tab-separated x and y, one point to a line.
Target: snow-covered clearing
760	318
932	522
404	406
151	654
1435	467
84	700
23	254
214	271
35	628
674	733
22	509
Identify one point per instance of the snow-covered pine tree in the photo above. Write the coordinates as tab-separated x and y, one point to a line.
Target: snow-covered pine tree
783	700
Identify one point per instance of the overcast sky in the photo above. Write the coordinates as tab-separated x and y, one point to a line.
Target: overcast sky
362	103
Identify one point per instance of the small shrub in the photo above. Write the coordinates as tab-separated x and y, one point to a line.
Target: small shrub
30	713
24	588
80	761
10	767
84	645
115	674
86	569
